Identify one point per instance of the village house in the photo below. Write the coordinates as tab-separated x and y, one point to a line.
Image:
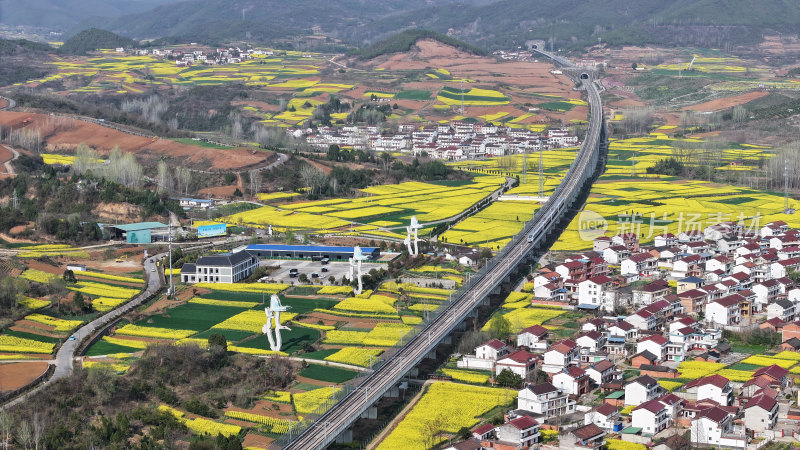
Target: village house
714	426
761	413
651	416
519	362
586	437
615	254
605	416
533	337
596	291
650	292
643	264
486	356
602	372
629	240
725	311
782	309
545	399
572	380
560	355
642	389
712	387
655	344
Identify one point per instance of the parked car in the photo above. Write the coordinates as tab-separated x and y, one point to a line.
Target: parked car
324	269
314	275
293	273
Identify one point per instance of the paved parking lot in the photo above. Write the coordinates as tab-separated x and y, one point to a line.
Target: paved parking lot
335	269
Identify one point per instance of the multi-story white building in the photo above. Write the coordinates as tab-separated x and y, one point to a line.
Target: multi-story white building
604	416
229	268
545	399
761	413
642	389
712	387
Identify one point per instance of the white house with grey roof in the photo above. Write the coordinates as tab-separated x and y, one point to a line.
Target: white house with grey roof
226	268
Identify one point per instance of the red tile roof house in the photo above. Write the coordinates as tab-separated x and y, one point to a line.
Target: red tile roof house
651	416
725	311
629	240
560	355
485	357
641	263
522	432
714	426
650	293
693	301
655	344
605	416
761	413
601	372
533	337
713	387
572	269
520	362
776	374
573	380
586	437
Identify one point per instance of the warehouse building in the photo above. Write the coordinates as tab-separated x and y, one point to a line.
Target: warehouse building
139	233
310	251
226	268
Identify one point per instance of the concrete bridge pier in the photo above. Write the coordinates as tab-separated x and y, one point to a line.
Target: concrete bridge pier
370	413
345	437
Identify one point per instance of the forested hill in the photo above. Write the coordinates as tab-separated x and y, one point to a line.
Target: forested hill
63	15
402	42
261	19
93	39
484	23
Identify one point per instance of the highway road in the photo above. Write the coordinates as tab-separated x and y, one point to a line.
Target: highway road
329	425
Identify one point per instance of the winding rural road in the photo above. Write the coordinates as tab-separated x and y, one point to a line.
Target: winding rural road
65	356
7	164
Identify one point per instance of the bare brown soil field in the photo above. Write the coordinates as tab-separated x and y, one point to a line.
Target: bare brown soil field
103	139
3	103
727	102
780	45
17	375
256	440
218	191
33	264
123	212
5	155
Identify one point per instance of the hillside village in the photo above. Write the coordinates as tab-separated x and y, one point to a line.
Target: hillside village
652	376
457	140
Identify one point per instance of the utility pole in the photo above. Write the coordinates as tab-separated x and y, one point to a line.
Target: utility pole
786	209
541	173
525	165
171	284
462	96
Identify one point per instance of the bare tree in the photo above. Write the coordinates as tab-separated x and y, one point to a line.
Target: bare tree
183	178
151	108
164	179
255	181
25	434
236	126
311	177
85	159
6	422
38	430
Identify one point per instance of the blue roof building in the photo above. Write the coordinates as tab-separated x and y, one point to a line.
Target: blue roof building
310	251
